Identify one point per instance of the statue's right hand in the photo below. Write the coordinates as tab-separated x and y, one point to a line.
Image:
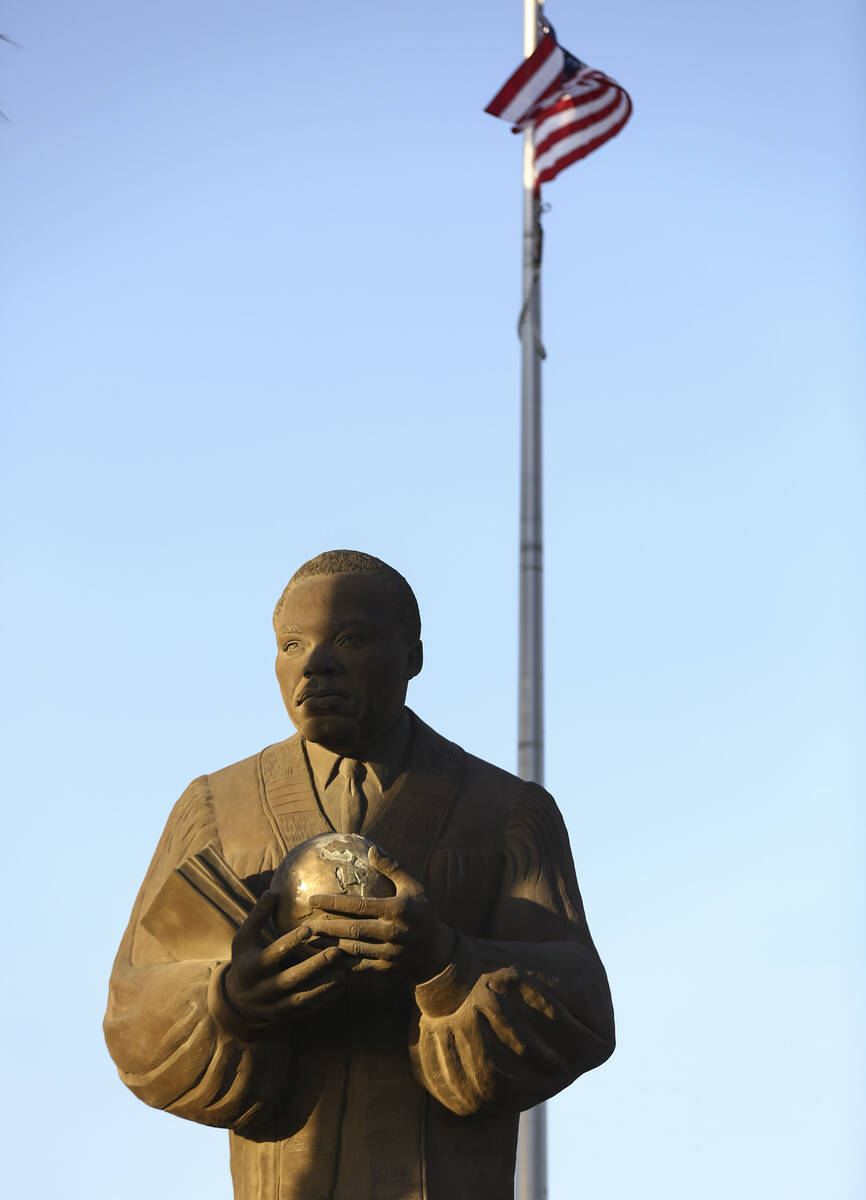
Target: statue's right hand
263	982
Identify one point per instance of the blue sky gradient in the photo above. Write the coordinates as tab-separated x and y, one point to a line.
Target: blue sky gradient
261	280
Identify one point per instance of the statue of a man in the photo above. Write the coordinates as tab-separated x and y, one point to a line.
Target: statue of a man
383	1049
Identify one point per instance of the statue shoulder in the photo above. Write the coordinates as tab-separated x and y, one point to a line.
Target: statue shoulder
484	785
503	791
236	790
247	771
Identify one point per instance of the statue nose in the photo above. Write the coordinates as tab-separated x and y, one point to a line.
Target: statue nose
321	662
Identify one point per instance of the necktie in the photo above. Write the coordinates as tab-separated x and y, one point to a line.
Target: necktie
353	803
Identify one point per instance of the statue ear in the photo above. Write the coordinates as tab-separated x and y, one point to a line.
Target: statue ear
414	660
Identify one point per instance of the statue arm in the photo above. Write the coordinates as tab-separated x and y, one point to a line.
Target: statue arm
172	1034
515	1018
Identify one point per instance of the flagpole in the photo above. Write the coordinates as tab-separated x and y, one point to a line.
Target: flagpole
532	1142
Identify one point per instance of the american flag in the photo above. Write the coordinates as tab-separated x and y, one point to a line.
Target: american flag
572	108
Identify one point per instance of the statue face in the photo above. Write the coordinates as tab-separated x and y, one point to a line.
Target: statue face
343	660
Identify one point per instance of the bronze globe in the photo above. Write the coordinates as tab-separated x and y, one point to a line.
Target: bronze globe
325	865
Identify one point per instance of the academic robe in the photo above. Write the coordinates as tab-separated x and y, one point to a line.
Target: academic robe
386	1093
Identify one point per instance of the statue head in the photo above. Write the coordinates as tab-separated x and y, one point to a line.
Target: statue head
348	642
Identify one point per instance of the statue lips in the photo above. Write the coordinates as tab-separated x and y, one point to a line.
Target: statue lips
322	699
325	702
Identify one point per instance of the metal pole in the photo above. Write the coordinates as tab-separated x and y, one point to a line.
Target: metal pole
531	723
532	1147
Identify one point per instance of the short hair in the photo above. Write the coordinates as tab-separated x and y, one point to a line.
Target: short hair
355	562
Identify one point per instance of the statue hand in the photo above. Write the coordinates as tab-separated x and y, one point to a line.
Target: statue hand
400	933
263	984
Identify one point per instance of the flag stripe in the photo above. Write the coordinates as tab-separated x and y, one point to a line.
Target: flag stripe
569	119
544	83
554	89
551	116
572	108
521	76
569	138
550	173
570	149
580	92
530	82
560	87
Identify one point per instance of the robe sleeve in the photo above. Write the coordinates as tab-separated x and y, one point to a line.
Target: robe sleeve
171	1032
515	1018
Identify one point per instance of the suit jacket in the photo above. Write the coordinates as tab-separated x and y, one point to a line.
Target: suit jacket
385	1094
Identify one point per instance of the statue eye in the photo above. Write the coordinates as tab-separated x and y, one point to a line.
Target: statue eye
290	645
353	640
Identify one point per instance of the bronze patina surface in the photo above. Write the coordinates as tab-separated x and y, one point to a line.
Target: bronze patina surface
379	1044
338	863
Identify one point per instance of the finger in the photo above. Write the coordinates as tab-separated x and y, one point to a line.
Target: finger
371	906
273	987
284	945
500	981
363	931
402	880
308	999
299	974
266	1003
379	965
378	950
546	1028
528	1043
248	937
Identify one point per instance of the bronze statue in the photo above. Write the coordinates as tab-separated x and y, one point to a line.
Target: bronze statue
383	1048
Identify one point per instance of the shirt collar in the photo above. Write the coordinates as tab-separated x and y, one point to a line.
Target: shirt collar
386	758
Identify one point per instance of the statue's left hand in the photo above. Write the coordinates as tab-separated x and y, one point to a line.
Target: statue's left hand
400	933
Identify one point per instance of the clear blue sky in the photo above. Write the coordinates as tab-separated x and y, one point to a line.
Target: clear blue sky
260	285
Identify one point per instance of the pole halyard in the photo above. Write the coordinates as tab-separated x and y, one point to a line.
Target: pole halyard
532	1143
